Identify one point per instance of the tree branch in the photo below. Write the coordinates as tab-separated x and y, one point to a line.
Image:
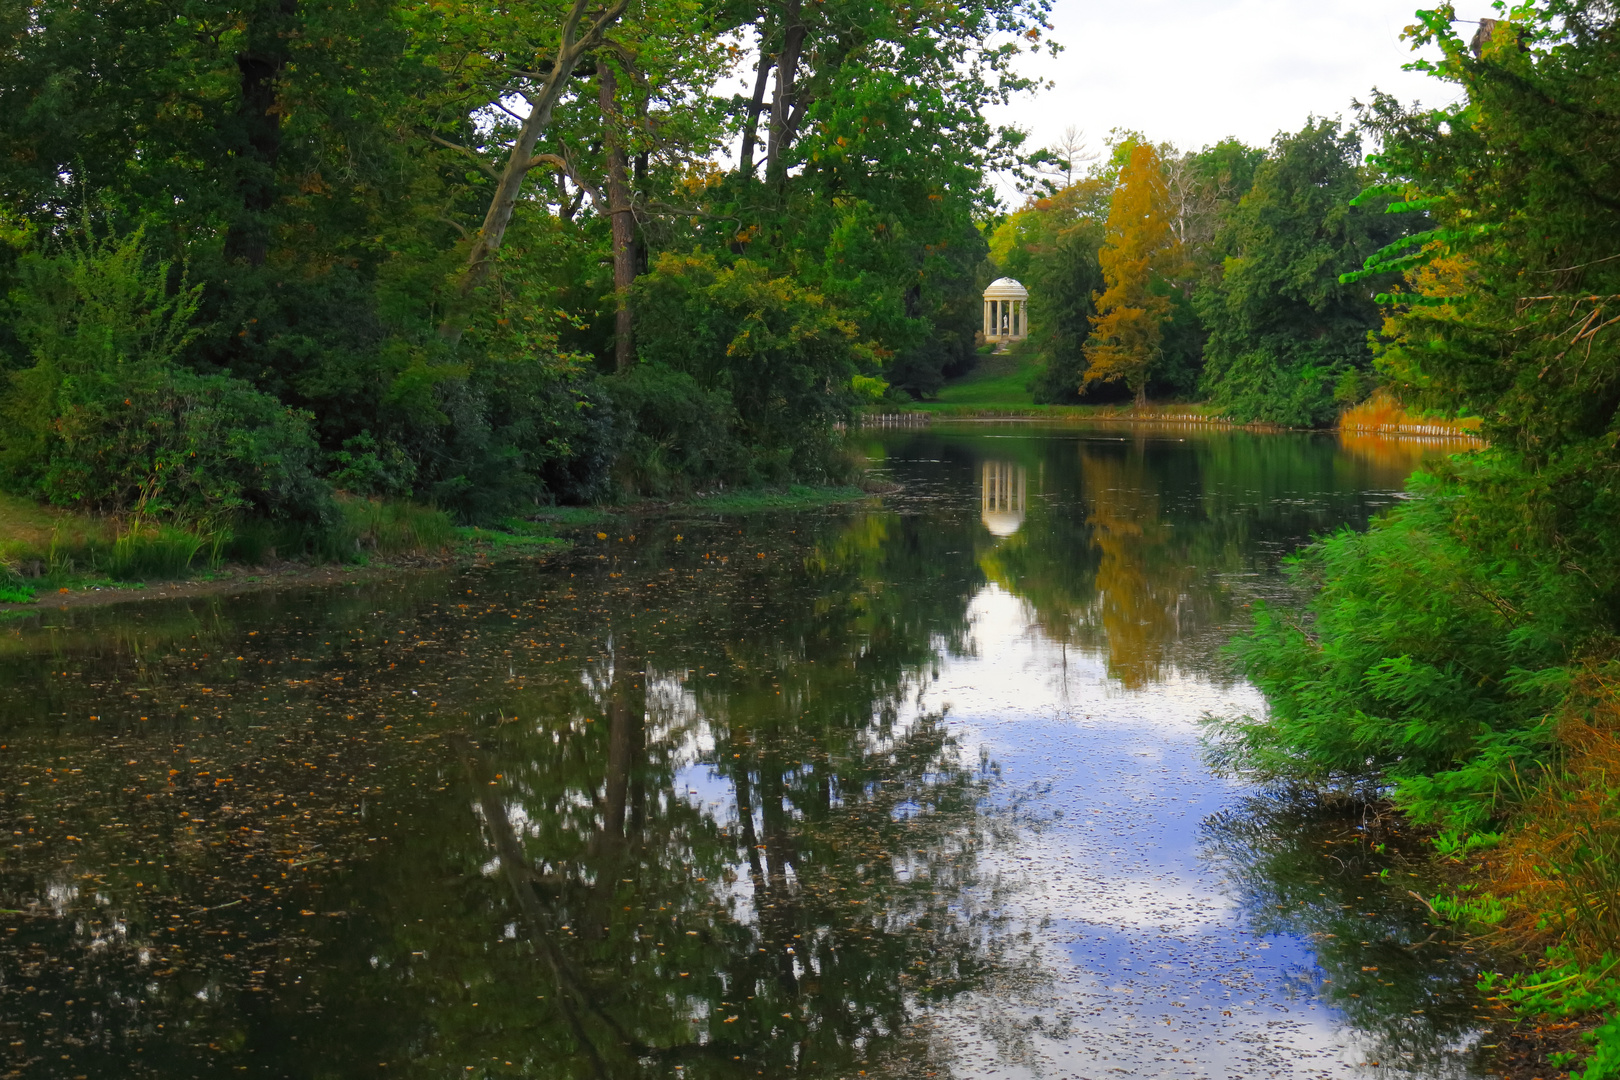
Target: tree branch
570	48
484	166
566	166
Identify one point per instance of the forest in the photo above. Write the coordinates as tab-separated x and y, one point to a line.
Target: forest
259	261
256	256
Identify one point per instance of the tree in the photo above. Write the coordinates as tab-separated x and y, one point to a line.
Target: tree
1138	248
1283	330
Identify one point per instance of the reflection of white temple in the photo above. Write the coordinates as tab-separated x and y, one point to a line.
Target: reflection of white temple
1001	497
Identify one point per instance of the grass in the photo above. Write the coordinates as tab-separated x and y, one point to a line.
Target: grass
573	515
396	526
46	550
792	497
999	379
515	537
1000	386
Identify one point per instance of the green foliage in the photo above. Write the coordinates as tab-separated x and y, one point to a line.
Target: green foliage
105	420
395	526
159	552
14	593
1413	664
1437	649
1064	279
781	353
366	467
1283	330
674	434
297	188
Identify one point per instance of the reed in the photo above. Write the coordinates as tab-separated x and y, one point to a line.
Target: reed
1560	861
1383	414
396	527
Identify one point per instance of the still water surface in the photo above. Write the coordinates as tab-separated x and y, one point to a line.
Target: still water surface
907	790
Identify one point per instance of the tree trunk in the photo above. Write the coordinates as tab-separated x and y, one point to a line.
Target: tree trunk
756	104
623	217
259	125
787	67
520	160
640	192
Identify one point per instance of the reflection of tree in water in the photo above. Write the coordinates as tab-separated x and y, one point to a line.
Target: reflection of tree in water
540	896
1337	875
1140	548
801	927
1126	577
1141	586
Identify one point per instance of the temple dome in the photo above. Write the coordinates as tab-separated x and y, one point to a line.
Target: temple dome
1006	289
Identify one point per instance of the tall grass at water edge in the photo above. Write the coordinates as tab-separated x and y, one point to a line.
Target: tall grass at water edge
1383	414
78	552
395	527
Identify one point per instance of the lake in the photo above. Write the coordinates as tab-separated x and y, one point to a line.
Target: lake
908	789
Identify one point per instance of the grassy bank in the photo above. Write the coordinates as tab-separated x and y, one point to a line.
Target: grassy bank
1000	388
1171	413
999	379
52	555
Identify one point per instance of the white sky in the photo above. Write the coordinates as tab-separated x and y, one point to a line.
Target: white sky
1195	71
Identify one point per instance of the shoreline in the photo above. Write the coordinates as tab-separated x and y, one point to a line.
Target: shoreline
483	548
1084	414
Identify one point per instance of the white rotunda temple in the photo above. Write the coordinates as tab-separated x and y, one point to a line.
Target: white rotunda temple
1006	312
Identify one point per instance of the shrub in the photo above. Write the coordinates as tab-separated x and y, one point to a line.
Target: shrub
781	352
672	433
105	419
1418	662
366	466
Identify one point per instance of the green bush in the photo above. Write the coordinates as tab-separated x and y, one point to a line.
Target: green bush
12	592
672	434
366	466
782	354
106	420
1419	662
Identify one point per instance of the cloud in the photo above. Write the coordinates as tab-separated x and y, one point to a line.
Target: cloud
1195	71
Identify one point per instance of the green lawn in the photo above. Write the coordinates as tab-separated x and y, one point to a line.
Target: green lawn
997	380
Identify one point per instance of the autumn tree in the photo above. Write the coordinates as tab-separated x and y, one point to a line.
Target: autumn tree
1138	249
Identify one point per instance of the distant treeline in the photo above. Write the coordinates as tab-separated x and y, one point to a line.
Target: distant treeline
1211	274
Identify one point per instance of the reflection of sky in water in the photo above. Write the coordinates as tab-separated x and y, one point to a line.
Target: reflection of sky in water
1154	971
1104	909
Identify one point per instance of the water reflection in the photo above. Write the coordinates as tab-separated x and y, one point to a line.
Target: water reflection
809	795
1002	497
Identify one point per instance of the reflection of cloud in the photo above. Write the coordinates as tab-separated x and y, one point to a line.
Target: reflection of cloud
1001	497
